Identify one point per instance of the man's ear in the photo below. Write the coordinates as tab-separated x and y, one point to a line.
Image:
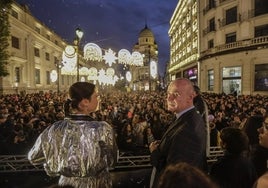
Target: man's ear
223	145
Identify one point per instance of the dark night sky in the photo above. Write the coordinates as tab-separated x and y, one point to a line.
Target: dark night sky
111	24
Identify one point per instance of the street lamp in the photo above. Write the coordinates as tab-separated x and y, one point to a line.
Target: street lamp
79	34
58	65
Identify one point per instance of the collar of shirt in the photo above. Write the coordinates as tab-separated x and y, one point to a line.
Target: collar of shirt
182	112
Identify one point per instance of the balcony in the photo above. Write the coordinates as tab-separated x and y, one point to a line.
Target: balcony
209	7
254	43
209	29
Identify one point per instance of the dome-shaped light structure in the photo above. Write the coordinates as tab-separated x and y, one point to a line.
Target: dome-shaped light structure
92	52
83	71
69	59
92	74
110	72
136	59
124	56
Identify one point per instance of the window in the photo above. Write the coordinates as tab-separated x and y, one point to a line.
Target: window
14	14
210	43
37	76
48	37
15	42
210	80
48	77
47	56
229	38
17	74
211	4
38	30
212	24
231	80
261	30
36	52
261	77
261	7
231	15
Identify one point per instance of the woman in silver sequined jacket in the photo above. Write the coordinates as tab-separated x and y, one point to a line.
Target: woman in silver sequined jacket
78	149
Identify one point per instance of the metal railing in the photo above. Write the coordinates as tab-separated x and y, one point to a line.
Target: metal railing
20	163
236	45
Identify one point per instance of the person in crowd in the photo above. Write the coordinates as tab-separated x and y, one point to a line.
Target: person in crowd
234	169
202	108
251	127
148	136
79	149
214	133
262	181
260	154
200	104
185	139
127	138
184	175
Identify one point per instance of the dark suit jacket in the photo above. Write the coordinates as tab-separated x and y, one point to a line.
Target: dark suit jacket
184	141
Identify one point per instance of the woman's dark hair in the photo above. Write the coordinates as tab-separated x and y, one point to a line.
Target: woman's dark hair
184	175
251	127
77	92
235	140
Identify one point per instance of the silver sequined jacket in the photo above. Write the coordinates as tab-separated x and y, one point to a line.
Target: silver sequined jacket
78	150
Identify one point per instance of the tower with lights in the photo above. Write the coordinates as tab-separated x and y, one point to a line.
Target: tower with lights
146	77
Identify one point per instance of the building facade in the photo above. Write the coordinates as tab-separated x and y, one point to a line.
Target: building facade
233	46
232	53
35	50
183	35
146	77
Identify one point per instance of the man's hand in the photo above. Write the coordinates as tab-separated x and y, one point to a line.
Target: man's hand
154	145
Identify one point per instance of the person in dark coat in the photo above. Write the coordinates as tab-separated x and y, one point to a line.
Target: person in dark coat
234	169
185	138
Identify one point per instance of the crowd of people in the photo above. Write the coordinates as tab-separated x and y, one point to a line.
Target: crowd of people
138	119
23	118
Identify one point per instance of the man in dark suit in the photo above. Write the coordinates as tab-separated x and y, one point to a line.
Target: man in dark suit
185	139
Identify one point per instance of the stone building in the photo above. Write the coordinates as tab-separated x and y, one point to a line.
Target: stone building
143	77
232	45
35	50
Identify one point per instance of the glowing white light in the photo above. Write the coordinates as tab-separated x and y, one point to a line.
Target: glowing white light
83	71
92	52
110	72
79	33
92	74
153	69
69	59
109	57
124	56
128	76
83	79
136	59
69	51
53	76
